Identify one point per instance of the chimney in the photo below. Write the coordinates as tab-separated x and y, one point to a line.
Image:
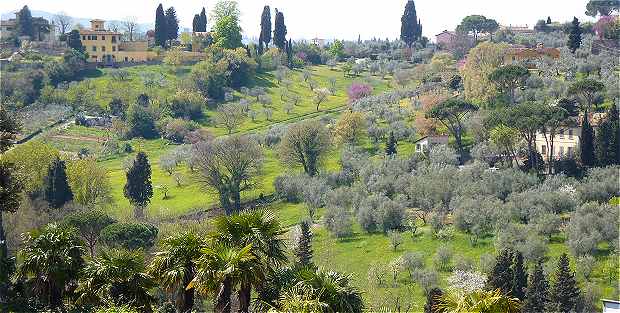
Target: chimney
97	25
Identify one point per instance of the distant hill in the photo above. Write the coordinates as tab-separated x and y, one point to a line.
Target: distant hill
76	20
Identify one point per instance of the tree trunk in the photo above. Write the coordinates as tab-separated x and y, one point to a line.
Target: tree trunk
55	295
5	272
237	200
222	301
459	144
138	212
188	294
244	298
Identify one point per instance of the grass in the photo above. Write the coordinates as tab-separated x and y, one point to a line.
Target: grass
353	255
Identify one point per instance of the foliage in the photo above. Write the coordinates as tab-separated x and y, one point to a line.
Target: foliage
138	188
279	31
130	236
479	302
451	114
564	294
349	127
411	29
57	190
589	226
574	38
89	183
304	144
481	62
90	224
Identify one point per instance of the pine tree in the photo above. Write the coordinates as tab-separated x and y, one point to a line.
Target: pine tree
203	20
409	29
586	144
607	145
519	281
279	32
537	294
57	190
565	295
172	24
139	189
390	146
265	26
196	23
502	275
574	38
304	245
548	20
432	298
24	23
161	32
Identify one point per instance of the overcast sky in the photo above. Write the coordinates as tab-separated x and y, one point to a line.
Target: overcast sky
329	19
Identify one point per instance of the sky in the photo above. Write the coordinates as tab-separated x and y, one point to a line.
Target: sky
328	19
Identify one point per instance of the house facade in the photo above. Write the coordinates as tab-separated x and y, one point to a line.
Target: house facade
43	29
425	143
519	54
105	46
566	141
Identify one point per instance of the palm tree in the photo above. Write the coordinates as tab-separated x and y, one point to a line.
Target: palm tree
300	298
262	230
332	288
52	259
119	276
220	268
480	301
175	266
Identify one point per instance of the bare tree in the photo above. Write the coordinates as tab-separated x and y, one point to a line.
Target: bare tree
130	25
63	22
229	165
114	27
230	116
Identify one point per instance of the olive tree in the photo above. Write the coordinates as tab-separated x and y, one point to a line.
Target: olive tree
230	116
229	166
304	144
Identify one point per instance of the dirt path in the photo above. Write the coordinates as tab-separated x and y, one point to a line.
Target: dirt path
82	138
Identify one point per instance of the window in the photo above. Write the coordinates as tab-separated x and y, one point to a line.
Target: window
103	48
418	147
113	48
125	59
102	37
561	134
113	39
543	149
570	134
570	152
94	48
561	151
83	37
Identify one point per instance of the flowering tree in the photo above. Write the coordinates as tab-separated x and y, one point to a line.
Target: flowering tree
358	91
466	281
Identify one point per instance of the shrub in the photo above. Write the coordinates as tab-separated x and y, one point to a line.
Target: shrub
187	104
290	188
177	130
129	235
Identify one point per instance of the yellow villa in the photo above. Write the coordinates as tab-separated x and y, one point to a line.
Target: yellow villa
104	46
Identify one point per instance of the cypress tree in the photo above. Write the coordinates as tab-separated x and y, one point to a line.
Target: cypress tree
548	20
390	146
304	246
565	295
196	23
161	32
57	190
501	276
607	145
409	29
519	281
172	24
586	144
24	23
574	38
139	189
537	294
74	40
432	298
265	26
260	48
279	32
203	20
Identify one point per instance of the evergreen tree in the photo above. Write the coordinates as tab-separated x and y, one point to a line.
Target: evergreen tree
537	294
196	23
24	22
565	294
172	24
501	276
161	31
265	26
607	145
586	144
57	190
279	32
548	20
260	47
390	146
410	29
519	281
74	40
289	52
304	245
432	298
574	38
139	189
203	20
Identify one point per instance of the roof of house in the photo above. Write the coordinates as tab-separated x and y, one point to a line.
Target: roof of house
432	137
446	32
